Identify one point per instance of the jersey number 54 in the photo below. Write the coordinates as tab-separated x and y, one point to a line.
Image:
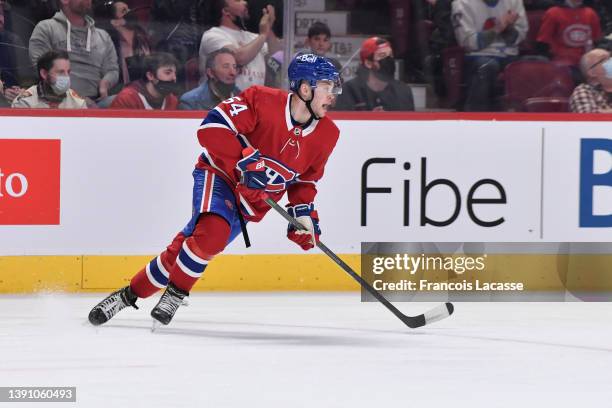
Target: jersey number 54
235	108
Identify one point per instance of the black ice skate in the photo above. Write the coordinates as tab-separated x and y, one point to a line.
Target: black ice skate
116	301
169	302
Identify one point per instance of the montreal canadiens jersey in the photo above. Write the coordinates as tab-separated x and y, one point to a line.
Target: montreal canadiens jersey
295	156
570	32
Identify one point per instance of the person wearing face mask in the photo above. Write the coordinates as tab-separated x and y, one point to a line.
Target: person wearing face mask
568	31
489	31
221	70
250	49
53	88
595	95
130	39
375	88
156	90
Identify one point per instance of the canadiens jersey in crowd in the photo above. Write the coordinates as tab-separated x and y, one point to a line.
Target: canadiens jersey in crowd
294	154
570	32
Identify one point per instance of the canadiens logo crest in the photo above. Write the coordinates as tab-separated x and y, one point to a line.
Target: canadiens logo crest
278	175
577	35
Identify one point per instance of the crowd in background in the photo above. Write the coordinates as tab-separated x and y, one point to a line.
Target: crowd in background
474	55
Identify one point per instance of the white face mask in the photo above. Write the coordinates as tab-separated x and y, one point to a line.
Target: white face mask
61	84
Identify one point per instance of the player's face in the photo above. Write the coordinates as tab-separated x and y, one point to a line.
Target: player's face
323	98
225	69
319	44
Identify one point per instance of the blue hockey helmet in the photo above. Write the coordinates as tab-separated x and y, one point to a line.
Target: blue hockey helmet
312	68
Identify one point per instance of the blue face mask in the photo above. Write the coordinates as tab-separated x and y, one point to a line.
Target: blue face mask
607	66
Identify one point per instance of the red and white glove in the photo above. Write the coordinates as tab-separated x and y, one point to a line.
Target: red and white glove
306	215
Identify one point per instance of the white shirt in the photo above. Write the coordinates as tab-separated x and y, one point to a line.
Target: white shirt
253	73
473	16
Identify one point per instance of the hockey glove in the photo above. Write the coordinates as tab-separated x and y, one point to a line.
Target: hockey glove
252	169
253	178
307	216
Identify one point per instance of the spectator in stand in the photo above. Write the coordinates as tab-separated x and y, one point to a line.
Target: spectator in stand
130	39
158	88
15	66
53	88
490	31
595	95
318	42
568	31
91	50
376	88
250	49
221	71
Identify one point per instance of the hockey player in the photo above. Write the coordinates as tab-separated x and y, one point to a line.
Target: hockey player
260	144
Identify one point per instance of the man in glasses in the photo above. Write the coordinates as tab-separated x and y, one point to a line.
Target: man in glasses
595	95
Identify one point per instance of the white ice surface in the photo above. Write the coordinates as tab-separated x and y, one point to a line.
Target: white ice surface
309	350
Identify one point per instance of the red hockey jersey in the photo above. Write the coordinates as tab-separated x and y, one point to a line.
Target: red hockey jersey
260	117
570	32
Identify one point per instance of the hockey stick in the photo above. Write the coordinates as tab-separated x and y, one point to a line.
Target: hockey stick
437	313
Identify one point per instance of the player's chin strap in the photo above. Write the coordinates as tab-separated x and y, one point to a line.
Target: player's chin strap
314	116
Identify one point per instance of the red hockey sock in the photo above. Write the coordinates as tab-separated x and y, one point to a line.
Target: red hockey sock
209	238
154	276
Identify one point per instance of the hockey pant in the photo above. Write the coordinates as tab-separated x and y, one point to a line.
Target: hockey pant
213	225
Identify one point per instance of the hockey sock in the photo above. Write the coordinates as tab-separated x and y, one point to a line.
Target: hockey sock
209	238
154	276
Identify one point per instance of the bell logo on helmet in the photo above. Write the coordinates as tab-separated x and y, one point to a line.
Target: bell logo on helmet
307	58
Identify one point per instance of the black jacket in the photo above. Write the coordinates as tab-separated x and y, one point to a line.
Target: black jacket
356	96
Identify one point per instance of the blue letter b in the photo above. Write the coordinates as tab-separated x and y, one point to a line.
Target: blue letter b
588	180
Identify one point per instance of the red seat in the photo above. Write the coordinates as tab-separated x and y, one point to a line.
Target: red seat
527	46
547	104
533	78
452	69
